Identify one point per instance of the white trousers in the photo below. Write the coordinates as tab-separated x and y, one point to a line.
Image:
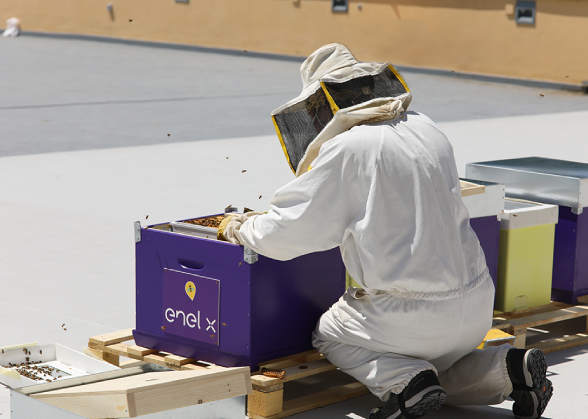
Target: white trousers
384	340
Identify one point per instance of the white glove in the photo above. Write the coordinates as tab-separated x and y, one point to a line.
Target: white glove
228	230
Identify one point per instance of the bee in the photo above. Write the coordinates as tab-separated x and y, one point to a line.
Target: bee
243	171
64	329
567	77
163	328
541	94
169	135
244	50
224	324
130	20
146	216
41	351
240	263
63	325
2	350
227	158
259	197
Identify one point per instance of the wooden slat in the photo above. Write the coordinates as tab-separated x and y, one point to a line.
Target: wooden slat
138	352
265	404
554	305
131	363
119	349
177	361
150	392
315	400
156	358
549	317
292	360
561	343
102	355
101	341
469	188
294	373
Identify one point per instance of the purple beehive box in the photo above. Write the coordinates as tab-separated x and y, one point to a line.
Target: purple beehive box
218	302
484	210
559	182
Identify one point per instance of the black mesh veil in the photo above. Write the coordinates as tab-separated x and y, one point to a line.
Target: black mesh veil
363	89
299	124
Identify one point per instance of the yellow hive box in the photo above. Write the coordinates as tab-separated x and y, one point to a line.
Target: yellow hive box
525	255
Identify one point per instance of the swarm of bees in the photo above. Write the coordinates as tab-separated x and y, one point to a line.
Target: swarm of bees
213	222
34	372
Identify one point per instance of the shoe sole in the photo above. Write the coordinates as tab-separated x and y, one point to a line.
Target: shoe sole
427	401
535	376
535	367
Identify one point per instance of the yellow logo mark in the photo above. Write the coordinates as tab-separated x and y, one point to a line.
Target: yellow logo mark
190	290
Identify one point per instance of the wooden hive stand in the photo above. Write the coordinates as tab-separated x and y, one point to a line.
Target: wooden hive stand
110	347
517	322
268	400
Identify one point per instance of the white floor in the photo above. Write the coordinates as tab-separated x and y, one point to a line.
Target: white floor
66	237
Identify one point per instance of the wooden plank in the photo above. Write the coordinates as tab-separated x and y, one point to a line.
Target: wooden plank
111	406
193	367
156	358
208	390
151	392
131	363
177	361
559	344
102	355
138	352
94	353
554	305
550	317
265	404
315	400
119	349
101	341
293	373
469	188
292	360
269	389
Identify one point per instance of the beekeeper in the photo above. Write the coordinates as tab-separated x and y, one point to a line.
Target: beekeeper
381	183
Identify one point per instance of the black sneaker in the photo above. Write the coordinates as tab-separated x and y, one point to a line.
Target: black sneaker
422	395
531	388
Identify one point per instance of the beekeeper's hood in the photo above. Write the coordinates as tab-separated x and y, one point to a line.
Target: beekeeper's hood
338	93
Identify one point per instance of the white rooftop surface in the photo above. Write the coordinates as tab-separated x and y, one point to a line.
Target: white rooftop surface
67	212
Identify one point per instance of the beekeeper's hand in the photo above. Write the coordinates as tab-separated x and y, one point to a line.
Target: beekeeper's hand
228	230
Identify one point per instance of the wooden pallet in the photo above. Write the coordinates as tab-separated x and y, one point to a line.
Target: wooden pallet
517	322
110	347
268	402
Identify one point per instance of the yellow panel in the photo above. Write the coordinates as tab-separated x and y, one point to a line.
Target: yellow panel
495	334
525	265
350	282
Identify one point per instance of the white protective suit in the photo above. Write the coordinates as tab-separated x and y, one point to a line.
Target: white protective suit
388	194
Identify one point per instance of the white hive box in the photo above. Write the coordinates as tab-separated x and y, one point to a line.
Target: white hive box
30	365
